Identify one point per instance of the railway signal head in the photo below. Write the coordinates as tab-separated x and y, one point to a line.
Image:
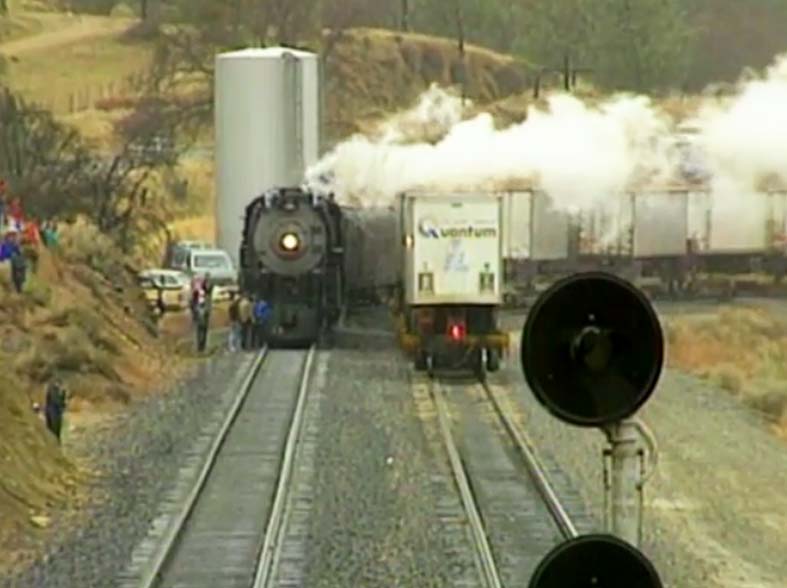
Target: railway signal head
592	349
595	560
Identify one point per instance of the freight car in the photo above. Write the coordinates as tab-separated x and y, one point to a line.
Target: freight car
669	234
291	256
674	233
728	238
451	272
535	241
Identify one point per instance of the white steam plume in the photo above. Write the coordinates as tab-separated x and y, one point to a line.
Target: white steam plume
435	113
581	155
578	154
744	138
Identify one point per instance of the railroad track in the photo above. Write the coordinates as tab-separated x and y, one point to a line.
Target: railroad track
513	511
227	531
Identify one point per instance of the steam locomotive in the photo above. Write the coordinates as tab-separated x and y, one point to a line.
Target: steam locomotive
310	258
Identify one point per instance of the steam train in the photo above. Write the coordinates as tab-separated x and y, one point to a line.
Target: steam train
311	258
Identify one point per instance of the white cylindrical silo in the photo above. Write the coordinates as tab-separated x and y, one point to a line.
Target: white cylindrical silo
267	129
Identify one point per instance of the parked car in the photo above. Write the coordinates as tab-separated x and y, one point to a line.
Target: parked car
173	285
177	255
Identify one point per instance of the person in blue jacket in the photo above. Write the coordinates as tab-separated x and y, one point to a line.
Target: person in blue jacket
9	248
261	313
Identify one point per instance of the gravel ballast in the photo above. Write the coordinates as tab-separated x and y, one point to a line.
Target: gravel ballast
375	521
136	454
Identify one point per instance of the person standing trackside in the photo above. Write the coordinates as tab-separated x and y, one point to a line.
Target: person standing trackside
235	323
55	408
245	314
202	320
18	269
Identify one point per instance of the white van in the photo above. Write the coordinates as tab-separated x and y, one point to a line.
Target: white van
218	264
177	255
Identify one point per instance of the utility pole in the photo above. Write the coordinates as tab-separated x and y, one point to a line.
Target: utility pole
460	38
405	23
568	71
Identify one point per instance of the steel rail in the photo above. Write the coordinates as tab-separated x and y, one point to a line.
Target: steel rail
274	532
153	571
535	468
484	557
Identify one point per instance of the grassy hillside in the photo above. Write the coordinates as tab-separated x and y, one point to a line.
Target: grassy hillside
67	63
743	351
73	322
371	72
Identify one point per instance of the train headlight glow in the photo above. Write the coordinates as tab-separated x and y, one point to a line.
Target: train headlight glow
290	242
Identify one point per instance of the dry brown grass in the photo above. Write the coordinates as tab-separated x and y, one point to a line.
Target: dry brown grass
92	331
81	70
197	227
31	22
372	72
681	107
97	128
743	350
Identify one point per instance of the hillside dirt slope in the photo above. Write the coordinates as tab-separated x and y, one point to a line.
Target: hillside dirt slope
372	72
93	332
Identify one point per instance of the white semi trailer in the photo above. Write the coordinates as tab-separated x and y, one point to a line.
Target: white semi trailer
267	125
452	274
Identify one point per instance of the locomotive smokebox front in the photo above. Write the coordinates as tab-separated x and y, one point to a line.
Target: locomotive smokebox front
290	237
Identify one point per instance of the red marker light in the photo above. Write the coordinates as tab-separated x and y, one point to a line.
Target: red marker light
457	332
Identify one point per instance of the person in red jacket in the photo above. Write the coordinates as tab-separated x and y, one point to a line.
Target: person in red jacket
31	233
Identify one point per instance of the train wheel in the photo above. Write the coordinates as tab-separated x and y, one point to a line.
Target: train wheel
492	360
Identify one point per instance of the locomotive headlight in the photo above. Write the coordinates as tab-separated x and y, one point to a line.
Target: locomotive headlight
290	242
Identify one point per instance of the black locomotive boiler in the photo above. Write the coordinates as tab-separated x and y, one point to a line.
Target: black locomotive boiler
291	257
311	259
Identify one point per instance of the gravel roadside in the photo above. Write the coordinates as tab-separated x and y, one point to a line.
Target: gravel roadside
716	507
131	455
375	521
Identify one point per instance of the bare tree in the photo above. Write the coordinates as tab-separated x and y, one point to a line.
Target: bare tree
55	174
